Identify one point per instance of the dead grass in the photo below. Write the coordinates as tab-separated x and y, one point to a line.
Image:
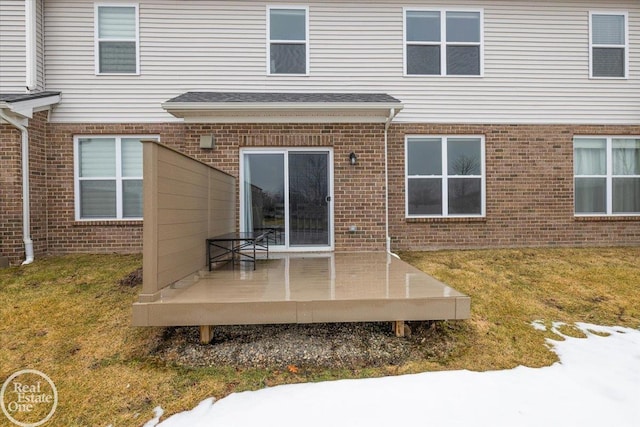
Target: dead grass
511	288
69	317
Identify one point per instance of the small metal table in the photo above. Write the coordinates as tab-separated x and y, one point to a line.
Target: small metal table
241	245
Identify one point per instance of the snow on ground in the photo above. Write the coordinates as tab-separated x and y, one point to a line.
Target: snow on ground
596	383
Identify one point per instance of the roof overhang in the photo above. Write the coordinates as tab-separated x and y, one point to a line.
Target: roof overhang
24	106
303	108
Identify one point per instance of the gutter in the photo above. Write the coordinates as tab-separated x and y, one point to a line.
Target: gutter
26	214
393	112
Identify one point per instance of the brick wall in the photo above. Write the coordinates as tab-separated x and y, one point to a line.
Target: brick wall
11	232
358	190
529	192
11	245
38	182
65	234
529	185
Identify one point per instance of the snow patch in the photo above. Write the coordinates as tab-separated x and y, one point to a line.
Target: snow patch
157	412
538	325
596	383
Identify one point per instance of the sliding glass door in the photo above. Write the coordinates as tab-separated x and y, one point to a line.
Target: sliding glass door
264	194
289	192
308	199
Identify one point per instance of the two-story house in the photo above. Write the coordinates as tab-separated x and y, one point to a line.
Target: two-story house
415	124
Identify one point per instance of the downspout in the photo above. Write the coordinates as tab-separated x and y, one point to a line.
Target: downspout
26	214
30	22
392	114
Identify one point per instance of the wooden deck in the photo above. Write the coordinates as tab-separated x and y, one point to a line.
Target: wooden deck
305	288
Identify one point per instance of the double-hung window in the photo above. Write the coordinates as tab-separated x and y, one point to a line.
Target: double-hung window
445	176
443	42
116	39
607	175
609	45
288	40
108	171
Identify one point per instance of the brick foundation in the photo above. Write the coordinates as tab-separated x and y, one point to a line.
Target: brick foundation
529	185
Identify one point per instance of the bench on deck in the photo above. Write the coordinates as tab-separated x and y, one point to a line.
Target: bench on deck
242	246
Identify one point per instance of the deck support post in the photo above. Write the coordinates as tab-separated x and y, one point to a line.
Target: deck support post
398	327
206	334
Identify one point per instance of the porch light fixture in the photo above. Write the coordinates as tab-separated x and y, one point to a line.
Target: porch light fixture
353	159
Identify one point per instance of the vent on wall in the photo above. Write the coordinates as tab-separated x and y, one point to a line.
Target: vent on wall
207	141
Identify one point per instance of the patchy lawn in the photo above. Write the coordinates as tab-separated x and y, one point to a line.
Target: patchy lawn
511	288
69	317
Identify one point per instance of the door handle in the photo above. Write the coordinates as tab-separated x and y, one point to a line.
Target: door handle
327	199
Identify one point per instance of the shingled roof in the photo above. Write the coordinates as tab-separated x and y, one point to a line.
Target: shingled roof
19	97
277	97
253	107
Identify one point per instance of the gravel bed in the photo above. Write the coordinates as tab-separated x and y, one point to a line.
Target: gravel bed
321	345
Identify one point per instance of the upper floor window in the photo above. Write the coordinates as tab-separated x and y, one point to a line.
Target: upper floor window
607	175
116	36
445	176
443	42
609	45
108	177
288	34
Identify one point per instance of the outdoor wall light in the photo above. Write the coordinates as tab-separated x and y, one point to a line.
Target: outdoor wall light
353	159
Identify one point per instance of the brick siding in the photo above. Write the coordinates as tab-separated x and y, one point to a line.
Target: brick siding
358	190
529	185
65	234
10	194
38	182
529	192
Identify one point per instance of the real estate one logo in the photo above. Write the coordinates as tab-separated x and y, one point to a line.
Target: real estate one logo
28	398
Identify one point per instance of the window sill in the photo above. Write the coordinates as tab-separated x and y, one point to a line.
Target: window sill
287	75
451	76
445	219
109	222
118	74
606	218
607	78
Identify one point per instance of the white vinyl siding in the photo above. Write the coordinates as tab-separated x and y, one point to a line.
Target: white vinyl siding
108	177
288	40
116	39
536	61
13	65
607	175
608	49
445	176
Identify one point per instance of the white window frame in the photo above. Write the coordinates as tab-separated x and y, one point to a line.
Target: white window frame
97	39
609	176
118	175
625	46
443	41
444	176
305	42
